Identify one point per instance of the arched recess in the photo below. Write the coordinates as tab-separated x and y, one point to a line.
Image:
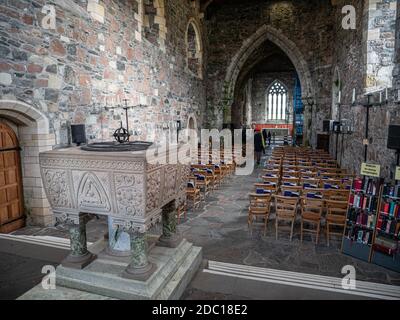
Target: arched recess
336	87
249	46
192	122
33	132
194	49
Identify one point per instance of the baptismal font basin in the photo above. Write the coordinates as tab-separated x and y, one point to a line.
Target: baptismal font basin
118	181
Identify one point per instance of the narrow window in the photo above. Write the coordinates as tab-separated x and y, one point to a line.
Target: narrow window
276	101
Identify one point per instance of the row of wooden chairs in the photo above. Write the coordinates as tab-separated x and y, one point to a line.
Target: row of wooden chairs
203	180
286	210
304	174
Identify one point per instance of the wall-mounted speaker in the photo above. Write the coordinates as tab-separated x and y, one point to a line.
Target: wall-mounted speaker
394	137
78	133
326	126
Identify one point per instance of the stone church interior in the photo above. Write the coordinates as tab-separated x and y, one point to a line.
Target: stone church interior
200	150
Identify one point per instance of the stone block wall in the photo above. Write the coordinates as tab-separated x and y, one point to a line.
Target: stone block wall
100	53
94	54
349	59
380	45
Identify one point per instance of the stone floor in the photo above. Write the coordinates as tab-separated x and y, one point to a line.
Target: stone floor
220	228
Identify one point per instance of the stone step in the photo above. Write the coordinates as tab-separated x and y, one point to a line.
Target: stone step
362	288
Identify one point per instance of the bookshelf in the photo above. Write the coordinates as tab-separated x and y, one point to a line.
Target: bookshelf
386	241
362	212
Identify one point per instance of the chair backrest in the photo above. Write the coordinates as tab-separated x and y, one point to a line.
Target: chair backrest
268	187
337	207
293	190
291	180
309	205
341	195
260	202
270	179
285	205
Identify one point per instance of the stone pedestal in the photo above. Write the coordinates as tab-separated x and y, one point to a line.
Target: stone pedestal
102	278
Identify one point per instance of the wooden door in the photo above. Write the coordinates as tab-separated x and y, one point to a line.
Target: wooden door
11	200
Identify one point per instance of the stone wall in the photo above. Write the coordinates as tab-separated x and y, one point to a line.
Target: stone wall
348	58
380	46
100	53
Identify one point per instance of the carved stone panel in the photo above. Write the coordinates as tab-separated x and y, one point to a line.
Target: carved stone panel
135	166
92	192
57	187
129	194
170	175
153	190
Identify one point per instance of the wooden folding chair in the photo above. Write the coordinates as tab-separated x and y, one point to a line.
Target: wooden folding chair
286	209
335	217
259	207
193	192
311	213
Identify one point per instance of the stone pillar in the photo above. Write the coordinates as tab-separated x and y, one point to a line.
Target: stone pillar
170	237
140	268
79	256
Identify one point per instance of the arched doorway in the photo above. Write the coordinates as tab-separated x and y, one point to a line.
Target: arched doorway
265	44
33	130
11	197
266	91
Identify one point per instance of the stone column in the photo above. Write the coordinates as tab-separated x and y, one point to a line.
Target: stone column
170	237
79	256
140	268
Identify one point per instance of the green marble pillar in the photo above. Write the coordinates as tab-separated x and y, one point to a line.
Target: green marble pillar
77	234
170	237
139	268
79	256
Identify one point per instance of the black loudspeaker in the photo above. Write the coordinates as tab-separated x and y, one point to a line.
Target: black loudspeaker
326	125
394	137
78	133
